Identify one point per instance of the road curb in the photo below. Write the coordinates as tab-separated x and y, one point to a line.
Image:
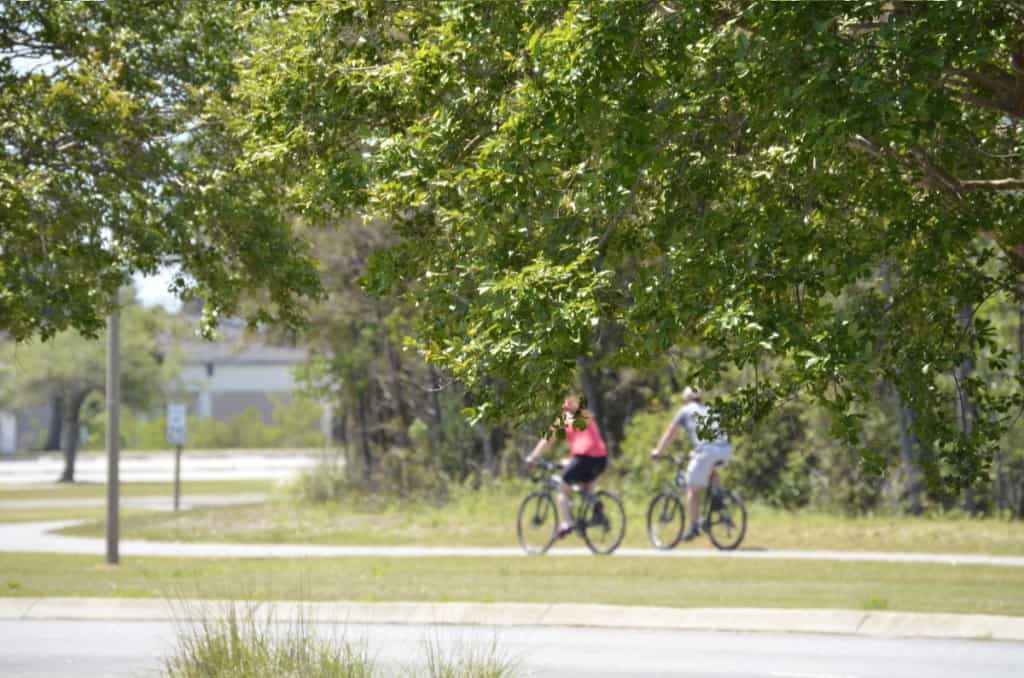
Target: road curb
842	622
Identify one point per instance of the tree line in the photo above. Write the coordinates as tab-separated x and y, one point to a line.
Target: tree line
805	205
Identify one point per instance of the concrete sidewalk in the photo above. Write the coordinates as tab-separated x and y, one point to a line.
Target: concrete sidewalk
844	622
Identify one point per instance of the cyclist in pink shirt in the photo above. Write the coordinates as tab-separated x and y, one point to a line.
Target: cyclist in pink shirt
588	456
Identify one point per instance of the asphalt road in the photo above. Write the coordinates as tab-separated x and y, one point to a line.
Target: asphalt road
37	649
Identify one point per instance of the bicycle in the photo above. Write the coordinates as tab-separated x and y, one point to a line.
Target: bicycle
725	516
599	518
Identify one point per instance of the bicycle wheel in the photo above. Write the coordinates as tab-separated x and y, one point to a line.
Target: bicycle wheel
666	519
537	523
604	523
727	523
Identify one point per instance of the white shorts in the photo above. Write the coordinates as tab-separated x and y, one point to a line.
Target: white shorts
702	463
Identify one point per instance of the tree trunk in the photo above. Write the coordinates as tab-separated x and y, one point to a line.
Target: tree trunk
966	410
395	363
907	443
498	445
70	430
339	428
592	393
487	444
364	437
436	416
53	434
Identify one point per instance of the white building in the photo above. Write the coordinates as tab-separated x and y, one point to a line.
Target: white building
220	379
224	378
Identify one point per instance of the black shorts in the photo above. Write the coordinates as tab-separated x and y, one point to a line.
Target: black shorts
583	469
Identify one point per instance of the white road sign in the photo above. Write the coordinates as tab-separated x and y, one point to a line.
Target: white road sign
176	423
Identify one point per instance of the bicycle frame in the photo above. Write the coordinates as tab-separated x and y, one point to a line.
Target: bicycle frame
553	485
678	485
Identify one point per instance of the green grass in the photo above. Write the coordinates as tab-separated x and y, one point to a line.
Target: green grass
914	587
99	490
487	518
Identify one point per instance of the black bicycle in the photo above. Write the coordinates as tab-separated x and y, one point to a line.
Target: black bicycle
725	516
599	518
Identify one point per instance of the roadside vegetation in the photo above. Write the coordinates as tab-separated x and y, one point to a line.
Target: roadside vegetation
248	642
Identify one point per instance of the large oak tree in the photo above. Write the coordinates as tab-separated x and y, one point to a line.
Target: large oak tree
824	194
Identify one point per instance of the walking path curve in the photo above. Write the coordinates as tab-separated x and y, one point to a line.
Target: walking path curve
38	538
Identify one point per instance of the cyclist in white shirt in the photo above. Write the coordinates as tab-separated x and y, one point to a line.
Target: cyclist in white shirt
703	457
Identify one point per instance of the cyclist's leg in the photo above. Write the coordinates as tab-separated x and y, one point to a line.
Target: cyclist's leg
698	473
583	472
564	509
571	476
595	468
693	503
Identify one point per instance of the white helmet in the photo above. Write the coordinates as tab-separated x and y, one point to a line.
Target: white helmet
690	394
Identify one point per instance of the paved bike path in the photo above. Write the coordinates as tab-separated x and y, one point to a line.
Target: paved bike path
39	538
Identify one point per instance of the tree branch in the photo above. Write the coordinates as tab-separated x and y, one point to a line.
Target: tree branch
992	184
934	175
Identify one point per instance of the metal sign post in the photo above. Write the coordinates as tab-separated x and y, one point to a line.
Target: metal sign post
176	418
113	432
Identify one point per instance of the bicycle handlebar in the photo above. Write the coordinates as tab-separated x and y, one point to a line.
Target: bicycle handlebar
542	465
679	461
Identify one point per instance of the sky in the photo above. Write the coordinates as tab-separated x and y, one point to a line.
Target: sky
152	290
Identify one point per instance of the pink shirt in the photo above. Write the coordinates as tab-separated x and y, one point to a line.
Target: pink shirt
585	443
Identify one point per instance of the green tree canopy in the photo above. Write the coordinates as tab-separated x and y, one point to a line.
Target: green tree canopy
823	194
113	160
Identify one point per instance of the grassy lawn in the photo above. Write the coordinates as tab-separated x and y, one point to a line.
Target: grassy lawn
624	581
99	490
488	519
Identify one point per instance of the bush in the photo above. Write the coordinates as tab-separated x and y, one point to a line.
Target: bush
639	474
770	463
295	425
327	482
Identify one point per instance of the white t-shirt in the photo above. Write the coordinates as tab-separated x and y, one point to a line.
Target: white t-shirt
689	417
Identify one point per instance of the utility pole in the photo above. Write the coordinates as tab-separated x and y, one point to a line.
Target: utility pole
113	428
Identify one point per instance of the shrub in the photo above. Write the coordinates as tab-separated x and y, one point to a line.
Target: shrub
294	426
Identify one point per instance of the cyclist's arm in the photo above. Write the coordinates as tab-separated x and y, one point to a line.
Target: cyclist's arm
540	448
666	439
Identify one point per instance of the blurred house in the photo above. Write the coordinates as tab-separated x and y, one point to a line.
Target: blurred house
219	379
222	379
